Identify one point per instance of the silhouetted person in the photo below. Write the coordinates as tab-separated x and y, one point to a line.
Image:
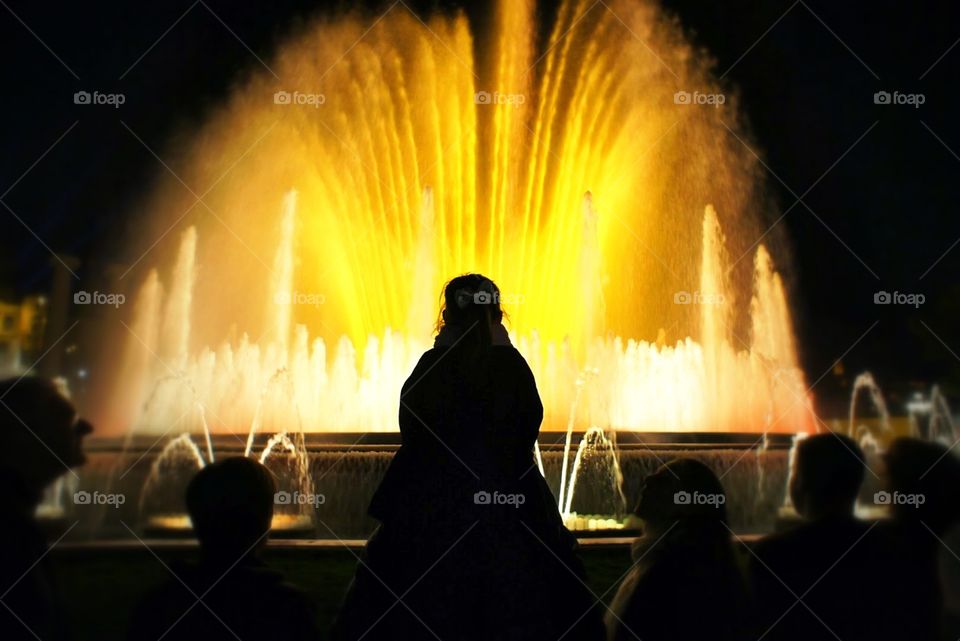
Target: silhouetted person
685	583
949	569
41	437
923	492
823	578
230	503
470	544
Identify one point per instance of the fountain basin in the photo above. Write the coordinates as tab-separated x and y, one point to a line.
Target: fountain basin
343	471
177	525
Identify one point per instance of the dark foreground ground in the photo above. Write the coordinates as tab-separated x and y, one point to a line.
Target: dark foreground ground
101	585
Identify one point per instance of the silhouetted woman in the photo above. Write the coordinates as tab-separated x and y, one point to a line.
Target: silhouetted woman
685	584
470	545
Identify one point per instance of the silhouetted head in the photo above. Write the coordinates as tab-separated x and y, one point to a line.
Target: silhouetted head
923	483
682	490
42	435
827	474
230	503
470	304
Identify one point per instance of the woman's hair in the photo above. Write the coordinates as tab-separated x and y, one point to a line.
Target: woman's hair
471	302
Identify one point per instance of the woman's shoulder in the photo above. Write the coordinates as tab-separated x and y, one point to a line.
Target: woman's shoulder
512	358
503	358
507	356
505	352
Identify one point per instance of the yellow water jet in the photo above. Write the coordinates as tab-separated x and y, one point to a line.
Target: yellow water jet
338	198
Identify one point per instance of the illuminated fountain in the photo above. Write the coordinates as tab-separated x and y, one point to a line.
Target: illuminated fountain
315	235
327	231
641	385
865	383
932	418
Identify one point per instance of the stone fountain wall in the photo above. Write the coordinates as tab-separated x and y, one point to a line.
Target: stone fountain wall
754	480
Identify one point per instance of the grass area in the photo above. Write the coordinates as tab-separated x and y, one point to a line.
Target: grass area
101	586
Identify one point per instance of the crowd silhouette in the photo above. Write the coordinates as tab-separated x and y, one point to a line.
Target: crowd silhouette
230	593
470	543
685	582
42	439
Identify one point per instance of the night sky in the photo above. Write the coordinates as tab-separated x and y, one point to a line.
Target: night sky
878	184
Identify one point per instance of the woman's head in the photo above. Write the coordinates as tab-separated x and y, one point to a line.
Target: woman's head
471	302
682	490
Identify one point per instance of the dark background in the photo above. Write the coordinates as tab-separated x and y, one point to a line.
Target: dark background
877	221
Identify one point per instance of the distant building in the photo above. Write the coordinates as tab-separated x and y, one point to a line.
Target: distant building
22	327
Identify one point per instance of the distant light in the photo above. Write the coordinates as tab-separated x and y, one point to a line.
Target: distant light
918	404
81	373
